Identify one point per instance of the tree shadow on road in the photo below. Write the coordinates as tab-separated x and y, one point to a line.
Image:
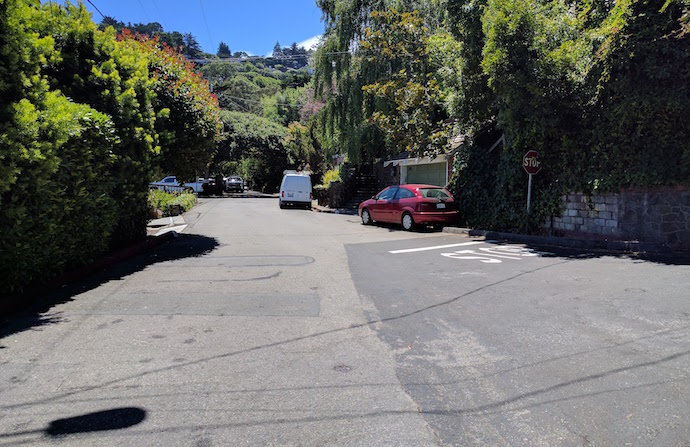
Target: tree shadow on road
35	315
584	254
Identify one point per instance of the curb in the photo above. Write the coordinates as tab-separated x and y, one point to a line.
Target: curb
321	209
14	303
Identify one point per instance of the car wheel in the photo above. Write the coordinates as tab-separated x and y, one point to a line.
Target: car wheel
366	217
281	205
407	222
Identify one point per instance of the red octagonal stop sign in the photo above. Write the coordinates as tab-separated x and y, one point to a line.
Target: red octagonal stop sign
530	162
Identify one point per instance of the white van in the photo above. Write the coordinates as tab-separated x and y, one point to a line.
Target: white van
295	189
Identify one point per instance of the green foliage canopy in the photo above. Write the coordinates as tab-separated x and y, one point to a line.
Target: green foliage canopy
402	98
599	88
259	143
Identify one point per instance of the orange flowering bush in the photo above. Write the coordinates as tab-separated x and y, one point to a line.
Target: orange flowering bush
188	121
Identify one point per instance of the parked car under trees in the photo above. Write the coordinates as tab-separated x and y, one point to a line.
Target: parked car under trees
411	205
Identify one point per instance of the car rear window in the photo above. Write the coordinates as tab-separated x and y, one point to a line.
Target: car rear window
434	193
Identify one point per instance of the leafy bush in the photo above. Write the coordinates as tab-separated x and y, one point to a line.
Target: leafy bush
59	212
330	176
80	118
165	201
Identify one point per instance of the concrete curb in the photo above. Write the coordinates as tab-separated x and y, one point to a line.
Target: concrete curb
323	209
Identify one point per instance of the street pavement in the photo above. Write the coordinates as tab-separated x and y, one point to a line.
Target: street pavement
261	326
507	345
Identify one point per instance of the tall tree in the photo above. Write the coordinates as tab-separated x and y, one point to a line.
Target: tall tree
191	45
223	50
341	75
402	97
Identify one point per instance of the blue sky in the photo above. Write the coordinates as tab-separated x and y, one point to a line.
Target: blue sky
253	26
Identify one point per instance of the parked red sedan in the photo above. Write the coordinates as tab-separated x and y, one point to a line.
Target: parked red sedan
410	205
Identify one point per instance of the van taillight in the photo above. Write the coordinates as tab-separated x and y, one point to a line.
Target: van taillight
311	196
282	193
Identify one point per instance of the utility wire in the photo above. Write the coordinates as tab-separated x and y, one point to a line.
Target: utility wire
286	104
241	106
165	26
143	9
286	57
206	23
94	7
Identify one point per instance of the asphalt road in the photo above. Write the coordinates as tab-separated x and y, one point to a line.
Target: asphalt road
262	326
506	345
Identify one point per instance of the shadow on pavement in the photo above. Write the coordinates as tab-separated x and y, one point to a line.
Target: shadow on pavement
584	254
183	246
392	228
115	419
106	420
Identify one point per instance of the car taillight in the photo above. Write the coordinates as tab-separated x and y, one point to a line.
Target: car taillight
426	206
282	193
311	196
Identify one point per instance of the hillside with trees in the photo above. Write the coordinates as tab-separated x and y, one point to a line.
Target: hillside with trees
267	100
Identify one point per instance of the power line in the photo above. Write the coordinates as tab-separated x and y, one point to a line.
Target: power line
239	104
165	25
285	57
143	9
286	104
206	23
94	7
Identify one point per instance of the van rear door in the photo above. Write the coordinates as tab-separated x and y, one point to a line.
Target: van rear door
303	186
296	188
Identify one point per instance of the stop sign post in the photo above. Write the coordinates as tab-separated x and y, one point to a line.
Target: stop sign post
532	166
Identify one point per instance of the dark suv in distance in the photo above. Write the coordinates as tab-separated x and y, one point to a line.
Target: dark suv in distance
234	183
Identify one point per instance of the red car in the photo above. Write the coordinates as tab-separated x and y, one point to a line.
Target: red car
411	205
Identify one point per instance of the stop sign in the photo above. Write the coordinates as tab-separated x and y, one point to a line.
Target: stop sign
530	162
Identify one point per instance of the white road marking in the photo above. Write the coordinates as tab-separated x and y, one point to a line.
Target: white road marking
437	247
509	250
489	255
472	252
479	258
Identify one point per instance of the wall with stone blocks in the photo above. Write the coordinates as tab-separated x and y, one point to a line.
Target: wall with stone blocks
659	215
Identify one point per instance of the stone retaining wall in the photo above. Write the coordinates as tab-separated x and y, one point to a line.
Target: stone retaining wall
660	215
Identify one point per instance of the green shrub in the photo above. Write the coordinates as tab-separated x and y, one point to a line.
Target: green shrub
165	201
59	212
330	176
83	117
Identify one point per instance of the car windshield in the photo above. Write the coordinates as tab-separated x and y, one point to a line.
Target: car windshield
235	179
434	193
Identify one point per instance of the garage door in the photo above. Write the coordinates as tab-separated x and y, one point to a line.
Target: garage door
432	174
